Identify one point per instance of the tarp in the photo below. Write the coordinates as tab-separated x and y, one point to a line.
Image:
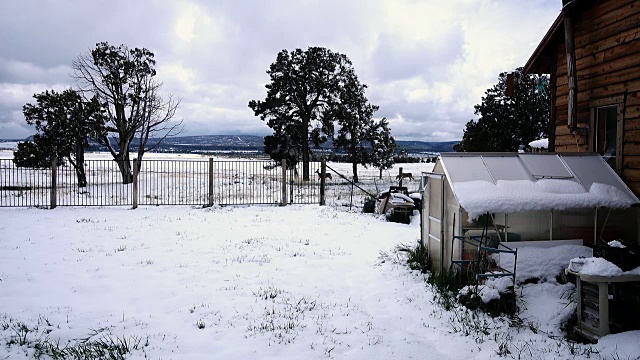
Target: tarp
514	182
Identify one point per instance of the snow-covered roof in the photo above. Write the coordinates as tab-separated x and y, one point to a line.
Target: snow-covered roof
514	182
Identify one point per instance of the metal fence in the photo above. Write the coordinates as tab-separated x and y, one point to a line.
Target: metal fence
24	186
104	186
304	192
342	191
158	182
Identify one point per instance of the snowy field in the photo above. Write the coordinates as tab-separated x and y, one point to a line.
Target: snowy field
262	282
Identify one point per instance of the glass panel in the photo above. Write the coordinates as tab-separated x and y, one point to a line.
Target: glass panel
606	133
507	168
435	201
573	224
529	226
434	229
620	224
465	168
588	169
545	166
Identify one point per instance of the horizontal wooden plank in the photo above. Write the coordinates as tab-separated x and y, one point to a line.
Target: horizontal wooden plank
563	130
603	14
632	148
634	186
631	136
563	108
630	175
615	89
624	69
632	112
605	44
562	98
576	141
628	20
631	161
632	124
601	77
571	148
600	92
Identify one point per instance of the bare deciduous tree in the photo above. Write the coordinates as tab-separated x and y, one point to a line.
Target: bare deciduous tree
123	81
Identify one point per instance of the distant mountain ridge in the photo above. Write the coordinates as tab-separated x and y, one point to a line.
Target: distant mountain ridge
256	143
253	143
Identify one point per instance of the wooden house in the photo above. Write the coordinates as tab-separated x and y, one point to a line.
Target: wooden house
592	54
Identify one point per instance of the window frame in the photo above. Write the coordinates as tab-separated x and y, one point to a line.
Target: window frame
593	109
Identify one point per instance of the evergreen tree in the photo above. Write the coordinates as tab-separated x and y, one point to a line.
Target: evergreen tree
506	122
36	154
356	126
384	146
302	98
64	122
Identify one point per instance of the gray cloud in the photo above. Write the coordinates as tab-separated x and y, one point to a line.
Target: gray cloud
426	63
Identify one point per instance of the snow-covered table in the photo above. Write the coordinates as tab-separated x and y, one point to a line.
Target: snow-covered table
591	328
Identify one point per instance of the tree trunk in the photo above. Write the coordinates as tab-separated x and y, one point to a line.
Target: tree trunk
305	150
380	173
124	163
78	166
125	169
355	171
82	176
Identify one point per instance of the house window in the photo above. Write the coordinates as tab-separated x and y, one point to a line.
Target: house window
606	133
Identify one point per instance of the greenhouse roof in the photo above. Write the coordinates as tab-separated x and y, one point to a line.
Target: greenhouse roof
514	182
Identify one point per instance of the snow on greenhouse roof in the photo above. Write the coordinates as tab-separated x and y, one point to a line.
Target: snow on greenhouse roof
514	182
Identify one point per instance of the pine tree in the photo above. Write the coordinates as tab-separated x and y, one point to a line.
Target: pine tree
64	122
384	146
506	122
302	98
356	126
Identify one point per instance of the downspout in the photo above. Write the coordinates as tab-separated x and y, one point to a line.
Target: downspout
567	11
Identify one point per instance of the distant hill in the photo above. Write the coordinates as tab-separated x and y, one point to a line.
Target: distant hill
251	143
426	146
255	143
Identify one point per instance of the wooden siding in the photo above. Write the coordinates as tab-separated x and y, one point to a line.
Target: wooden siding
607	39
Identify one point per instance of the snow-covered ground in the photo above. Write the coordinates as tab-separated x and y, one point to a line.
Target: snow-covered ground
294	282
344	168
8	145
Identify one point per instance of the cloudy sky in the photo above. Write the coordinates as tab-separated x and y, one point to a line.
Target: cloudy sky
426	62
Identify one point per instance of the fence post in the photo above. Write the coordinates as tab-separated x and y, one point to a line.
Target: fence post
400	176
210	182
135	183
284	200
54	178
323	173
